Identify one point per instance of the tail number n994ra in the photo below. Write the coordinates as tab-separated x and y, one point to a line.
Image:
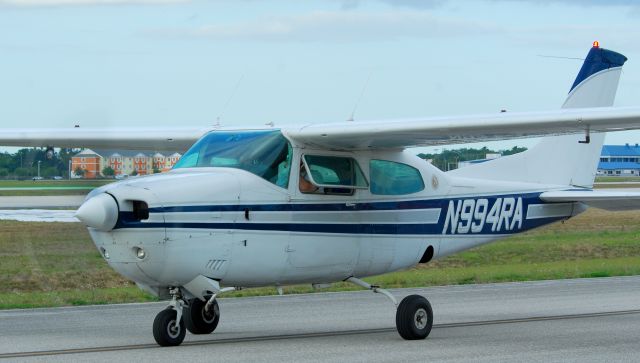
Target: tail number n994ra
476	215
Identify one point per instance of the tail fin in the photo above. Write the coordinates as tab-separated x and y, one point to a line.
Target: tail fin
563	160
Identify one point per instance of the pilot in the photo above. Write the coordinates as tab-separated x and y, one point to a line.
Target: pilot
282	178
305	184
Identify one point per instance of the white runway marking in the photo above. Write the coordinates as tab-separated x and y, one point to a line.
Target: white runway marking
38	215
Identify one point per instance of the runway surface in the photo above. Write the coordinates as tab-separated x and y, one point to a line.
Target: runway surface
564	320
49	201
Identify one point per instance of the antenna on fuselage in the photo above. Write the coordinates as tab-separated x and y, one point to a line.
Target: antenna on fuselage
226	105
364	88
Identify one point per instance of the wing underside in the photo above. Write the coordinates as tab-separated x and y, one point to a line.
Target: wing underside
158	139
367	135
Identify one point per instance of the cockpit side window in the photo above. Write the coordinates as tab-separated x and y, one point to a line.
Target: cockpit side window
266	154
330	175
392	178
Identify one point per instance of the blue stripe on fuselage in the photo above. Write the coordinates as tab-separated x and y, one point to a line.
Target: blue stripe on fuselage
507	226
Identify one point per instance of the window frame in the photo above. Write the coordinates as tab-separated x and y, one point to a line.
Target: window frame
334	186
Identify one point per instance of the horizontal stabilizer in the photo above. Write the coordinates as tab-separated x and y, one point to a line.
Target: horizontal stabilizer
612	200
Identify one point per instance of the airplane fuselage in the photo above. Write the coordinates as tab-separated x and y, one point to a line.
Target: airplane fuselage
234	227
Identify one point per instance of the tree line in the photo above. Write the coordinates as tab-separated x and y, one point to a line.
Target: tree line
449	159
23	164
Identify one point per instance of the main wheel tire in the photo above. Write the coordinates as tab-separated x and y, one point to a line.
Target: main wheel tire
165	329
199	321
414	317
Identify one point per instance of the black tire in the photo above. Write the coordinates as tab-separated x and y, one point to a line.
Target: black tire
414	318
165	330
197	320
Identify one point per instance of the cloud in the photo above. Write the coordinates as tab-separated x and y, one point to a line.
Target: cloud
53	3
580	2
338	26
431	4
415	4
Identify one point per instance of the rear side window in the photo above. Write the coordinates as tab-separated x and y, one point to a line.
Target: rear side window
391	178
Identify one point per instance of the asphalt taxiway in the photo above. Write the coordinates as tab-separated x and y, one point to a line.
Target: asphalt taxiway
37	201
562	320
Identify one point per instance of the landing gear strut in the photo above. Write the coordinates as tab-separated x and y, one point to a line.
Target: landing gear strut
414	316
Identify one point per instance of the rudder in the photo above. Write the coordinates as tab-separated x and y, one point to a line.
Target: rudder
567	159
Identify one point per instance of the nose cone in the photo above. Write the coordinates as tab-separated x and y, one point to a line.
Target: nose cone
99	212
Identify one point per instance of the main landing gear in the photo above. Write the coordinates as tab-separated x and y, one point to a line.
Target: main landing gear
199	317
414	316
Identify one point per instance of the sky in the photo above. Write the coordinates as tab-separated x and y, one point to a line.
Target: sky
119	63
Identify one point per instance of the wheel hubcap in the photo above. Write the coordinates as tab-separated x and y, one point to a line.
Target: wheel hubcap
209	316
173	329
420	318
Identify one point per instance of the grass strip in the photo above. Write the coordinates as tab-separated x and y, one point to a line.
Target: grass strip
56	264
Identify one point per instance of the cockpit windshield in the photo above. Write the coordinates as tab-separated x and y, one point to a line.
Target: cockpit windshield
266	154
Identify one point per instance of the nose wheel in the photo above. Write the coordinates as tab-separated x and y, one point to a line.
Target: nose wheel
168	330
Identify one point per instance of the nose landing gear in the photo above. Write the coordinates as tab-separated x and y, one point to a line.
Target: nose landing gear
197	316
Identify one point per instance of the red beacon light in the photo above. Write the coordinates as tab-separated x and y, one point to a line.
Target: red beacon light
596	44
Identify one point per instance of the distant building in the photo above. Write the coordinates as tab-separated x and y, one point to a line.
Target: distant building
122	162
619	160
89	161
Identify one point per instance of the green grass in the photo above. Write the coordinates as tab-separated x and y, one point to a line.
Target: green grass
37	299
56	264
609	179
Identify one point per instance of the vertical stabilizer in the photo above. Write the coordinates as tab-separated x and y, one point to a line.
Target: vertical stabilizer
563	160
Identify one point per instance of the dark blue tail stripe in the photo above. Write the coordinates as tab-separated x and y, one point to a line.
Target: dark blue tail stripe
598	59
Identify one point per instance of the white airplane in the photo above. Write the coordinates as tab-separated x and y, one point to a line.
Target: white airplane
338	201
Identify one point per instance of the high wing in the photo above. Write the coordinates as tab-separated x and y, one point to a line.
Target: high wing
356	135
603	199
158	139
366	135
